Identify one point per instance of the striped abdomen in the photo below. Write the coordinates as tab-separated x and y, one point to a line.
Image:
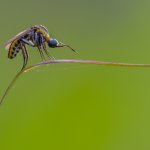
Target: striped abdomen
14	49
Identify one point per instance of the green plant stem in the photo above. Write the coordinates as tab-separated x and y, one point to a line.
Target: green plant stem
10	85
105	63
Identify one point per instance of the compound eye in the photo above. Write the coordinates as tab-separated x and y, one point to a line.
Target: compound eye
53	43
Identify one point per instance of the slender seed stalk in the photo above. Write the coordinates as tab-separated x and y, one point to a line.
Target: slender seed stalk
94	62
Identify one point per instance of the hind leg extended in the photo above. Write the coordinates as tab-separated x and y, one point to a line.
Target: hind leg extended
25	55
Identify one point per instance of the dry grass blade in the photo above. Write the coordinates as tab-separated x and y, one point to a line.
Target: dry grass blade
68	61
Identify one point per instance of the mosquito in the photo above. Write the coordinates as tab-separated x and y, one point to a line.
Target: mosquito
35	36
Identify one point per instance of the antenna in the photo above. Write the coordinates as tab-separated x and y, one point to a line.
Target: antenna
64	45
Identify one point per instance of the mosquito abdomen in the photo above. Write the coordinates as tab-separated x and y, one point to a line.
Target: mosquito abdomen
14	49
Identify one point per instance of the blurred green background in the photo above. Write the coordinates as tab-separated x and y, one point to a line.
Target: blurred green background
75	106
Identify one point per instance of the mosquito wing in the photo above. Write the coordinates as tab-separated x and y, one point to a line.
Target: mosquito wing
18	36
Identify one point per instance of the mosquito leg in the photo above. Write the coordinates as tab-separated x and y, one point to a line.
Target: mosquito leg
47	53
25	55
41	53
24	59
39	45
41	41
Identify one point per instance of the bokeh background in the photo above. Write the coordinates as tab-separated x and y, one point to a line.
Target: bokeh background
76	106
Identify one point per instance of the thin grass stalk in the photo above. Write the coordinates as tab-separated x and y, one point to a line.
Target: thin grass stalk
94	62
